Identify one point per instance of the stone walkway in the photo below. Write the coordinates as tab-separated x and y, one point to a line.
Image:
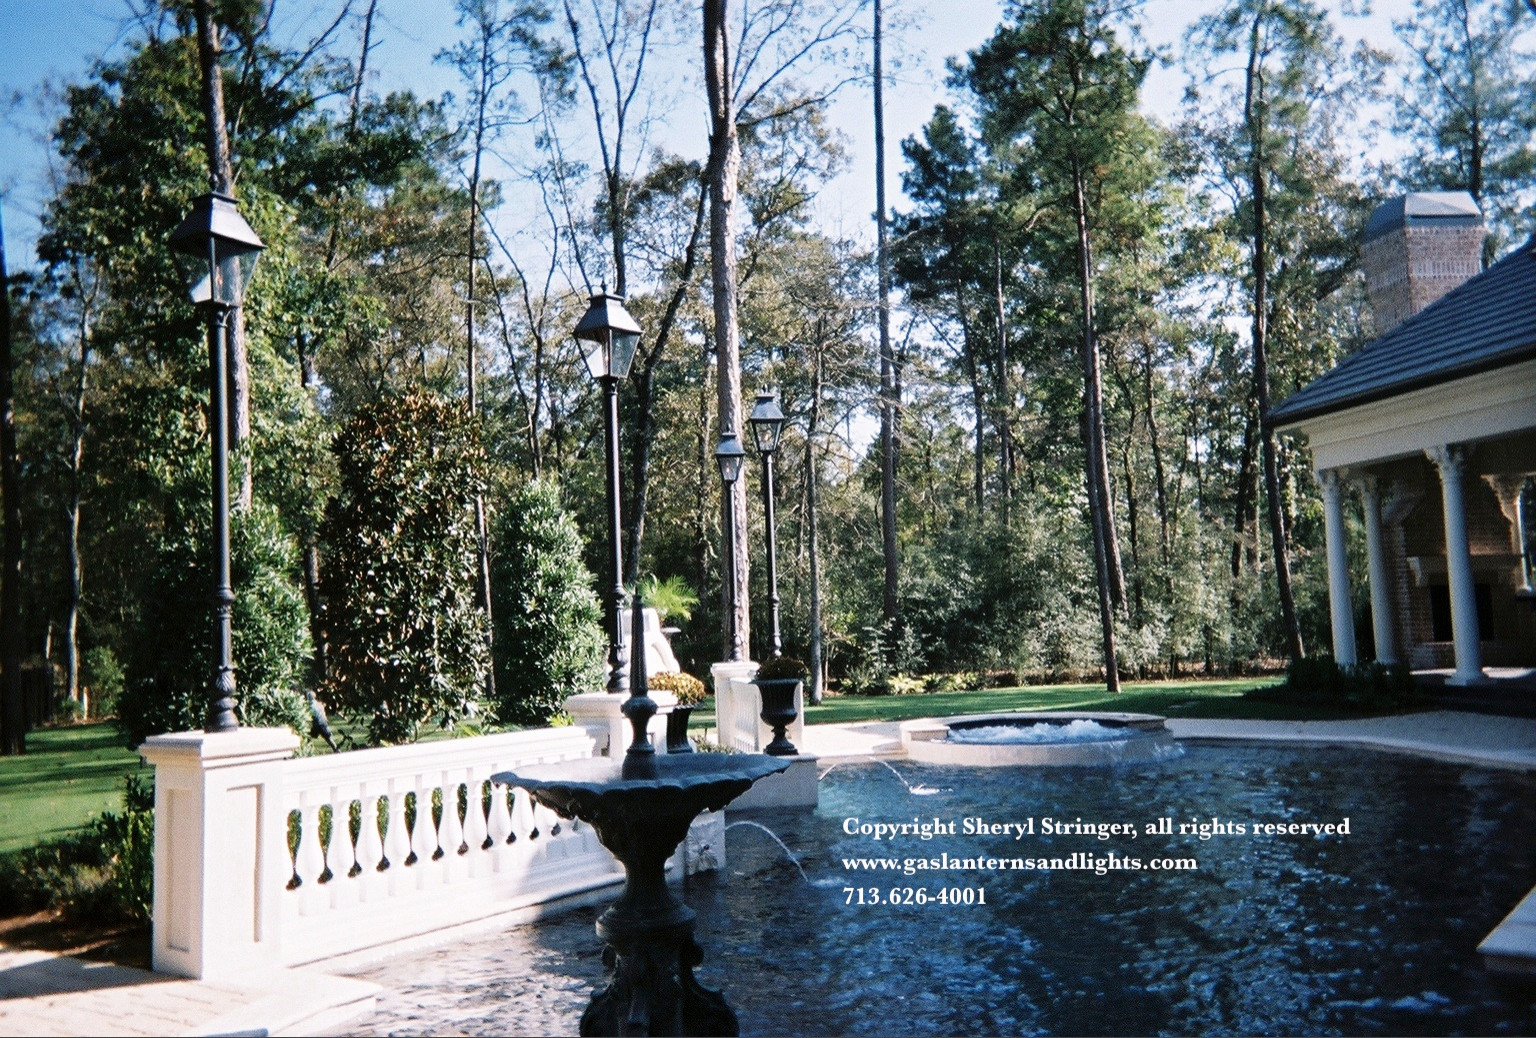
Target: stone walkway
44	994
536	979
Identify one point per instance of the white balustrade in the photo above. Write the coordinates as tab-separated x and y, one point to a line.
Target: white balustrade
296	845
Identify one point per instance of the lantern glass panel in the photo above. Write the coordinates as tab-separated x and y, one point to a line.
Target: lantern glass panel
730	457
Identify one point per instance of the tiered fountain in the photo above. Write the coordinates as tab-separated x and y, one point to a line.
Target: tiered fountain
641	807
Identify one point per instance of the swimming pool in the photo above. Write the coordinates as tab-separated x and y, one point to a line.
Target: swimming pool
1373	932
1370	933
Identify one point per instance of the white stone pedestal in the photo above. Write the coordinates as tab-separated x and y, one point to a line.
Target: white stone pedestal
602	715
221	852
795	787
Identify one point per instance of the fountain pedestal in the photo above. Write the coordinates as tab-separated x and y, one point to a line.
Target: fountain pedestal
641	807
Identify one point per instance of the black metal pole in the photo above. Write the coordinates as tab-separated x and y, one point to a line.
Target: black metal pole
221	692
729	573
618	671
776	641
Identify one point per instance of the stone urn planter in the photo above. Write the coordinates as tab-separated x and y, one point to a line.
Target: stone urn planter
677	729
778	681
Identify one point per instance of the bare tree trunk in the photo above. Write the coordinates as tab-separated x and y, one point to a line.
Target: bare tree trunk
890	400
72	512
471	353
645	417
724	168
1247	486
1256	130
222	177
978	405
1004	393
1101	519
13	714
816	663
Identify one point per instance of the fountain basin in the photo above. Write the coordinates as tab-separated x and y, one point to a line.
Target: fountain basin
642	807
1042	739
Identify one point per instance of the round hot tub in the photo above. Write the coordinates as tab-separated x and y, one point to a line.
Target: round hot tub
1051	738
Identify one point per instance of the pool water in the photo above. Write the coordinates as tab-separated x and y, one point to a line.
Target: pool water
1373	932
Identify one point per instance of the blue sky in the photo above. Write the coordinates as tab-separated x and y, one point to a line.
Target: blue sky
56	41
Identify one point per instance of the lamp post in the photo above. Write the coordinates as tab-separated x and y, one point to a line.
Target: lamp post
730	457
767	426
614	336
220	250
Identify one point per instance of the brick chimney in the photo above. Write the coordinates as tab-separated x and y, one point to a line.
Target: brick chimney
1416	249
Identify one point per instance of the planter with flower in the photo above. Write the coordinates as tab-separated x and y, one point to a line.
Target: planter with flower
689	691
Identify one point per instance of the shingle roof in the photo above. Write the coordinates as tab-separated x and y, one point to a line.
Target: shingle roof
1488	322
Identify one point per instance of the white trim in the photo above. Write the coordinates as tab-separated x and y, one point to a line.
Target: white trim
1464	410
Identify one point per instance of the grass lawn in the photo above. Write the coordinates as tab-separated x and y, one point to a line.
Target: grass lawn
68	776
73	773
1169	698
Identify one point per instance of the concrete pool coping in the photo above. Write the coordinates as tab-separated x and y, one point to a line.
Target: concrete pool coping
1451	736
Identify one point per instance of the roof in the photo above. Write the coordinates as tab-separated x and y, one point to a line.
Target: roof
1436	208
1487	322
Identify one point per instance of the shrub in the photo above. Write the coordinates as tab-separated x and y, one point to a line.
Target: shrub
672	598
688	689
1319	680
172	661
407	636
549	637
107	871
101	673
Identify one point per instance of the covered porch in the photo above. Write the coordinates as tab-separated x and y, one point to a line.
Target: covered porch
1433	428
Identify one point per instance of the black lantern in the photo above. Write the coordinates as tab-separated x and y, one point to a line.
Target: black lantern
730	457
767	422
220	250
613	336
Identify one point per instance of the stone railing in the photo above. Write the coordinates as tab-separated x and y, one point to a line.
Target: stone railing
265	861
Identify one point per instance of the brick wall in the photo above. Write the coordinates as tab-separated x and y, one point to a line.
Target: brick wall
1411	266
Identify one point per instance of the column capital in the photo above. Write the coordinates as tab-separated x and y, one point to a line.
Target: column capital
1449	458
1331	481
1370	486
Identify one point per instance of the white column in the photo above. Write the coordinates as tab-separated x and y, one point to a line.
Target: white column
1341	607
1451	460
1383	618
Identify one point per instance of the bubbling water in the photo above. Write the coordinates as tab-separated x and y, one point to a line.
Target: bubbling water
1080	730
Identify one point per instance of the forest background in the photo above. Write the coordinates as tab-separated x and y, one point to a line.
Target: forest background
1028	406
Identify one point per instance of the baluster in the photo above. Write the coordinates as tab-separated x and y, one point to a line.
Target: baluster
525	822
370	849
309	863
475	829
548	827
450	831
397	839
499	825
424	832
339	858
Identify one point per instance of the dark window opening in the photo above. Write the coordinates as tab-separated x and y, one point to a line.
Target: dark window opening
1440	612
